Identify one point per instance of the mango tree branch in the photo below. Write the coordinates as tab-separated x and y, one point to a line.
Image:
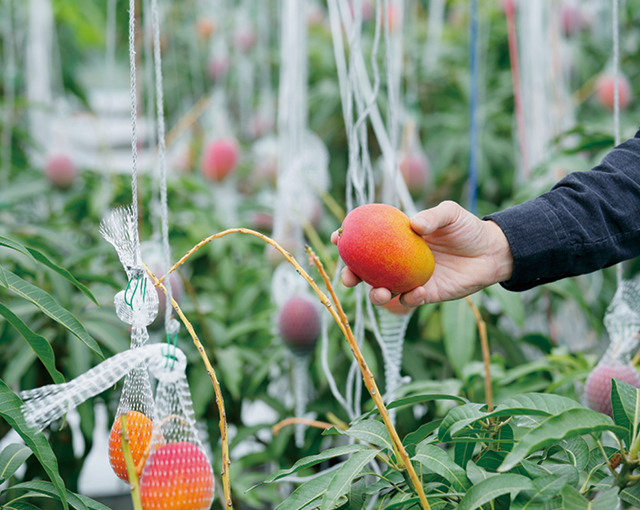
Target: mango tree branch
486	355
128	460
305	421
401	454
224	436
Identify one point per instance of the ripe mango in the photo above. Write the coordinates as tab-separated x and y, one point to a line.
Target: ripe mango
377	243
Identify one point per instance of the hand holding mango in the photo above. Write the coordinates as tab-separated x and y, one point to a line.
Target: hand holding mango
468	253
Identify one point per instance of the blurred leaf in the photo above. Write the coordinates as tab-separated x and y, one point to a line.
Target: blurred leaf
306	462
371	431
49	306
542	342
510	303
573	500
625	404
436	460
356	495
11	458
77	501
35	440
415	399
571	423
491	488
631	495
38	344
307	492
459	327
343	477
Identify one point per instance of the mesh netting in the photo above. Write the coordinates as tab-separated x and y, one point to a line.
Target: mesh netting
177	474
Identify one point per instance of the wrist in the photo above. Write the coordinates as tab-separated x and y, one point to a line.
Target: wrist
500	253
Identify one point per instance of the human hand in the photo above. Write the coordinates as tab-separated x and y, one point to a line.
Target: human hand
470	254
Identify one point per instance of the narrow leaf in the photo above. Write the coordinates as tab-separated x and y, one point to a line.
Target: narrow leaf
459	329
492	488
18	504
307	492
424	431
371	431
458	418
435	460
76	501
625	403
312	460
38	343
50	307
344	476
10	411
511	304
415	399
571	423
631	495
11	458
476	474
14	245
357	494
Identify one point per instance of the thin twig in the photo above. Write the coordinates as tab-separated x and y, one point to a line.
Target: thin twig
370	383
224	436
305	421
486	355
131	467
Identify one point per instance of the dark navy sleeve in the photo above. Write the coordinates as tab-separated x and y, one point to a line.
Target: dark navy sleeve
587	221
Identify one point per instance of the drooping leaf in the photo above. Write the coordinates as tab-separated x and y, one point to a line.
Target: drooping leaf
35	440
371	431
492	488
573	500
459	332
435	460
19	504
307	493
44	260
357	494
631	495
51	308
413	400
571	423
343	477
77	501
422	432
38	343
312	460
625	404
511	304
11	458
458	418
476	474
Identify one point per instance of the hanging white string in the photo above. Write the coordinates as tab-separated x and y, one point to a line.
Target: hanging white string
616	96
48	403
9	93
134	126
170	326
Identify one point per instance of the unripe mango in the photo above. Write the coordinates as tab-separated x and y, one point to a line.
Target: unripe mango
377	243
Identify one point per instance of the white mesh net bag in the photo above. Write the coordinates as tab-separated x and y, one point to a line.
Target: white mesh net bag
622	321
177	473
137	305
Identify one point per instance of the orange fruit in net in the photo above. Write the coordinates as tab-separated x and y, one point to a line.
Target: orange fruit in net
177	476
139	428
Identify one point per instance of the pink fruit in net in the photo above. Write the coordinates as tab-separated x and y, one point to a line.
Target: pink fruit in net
177	476
218	67
415	169
571	18
598	385
244	38
220	158
299	324
60	170
605	90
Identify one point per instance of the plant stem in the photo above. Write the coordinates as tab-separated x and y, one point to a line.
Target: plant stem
224	436
305	421
486	355
370	383
343	323
128	460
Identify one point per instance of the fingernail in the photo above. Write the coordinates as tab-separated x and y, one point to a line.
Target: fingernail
377	296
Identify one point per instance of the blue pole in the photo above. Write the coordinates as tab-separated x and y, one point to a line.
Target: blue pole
473	106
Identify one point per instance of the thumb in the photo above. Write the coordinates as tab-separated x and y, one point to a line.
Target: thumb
428	221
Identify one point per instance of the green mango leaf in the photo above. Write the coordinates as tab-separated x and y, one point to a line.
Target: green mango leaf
459	332
35	440
51	308
307	493
476	474
463	452
417	436
435	460
3	278
573	500
44	260
76	501
343	477
575	451
459	418
38	343
493	487
571	423
625	403
11	458
357	494
17	504
511	304
371	431
312	460
631	495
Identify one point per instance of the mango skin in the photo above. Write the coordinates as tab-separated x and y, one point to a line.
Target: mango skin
377	243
